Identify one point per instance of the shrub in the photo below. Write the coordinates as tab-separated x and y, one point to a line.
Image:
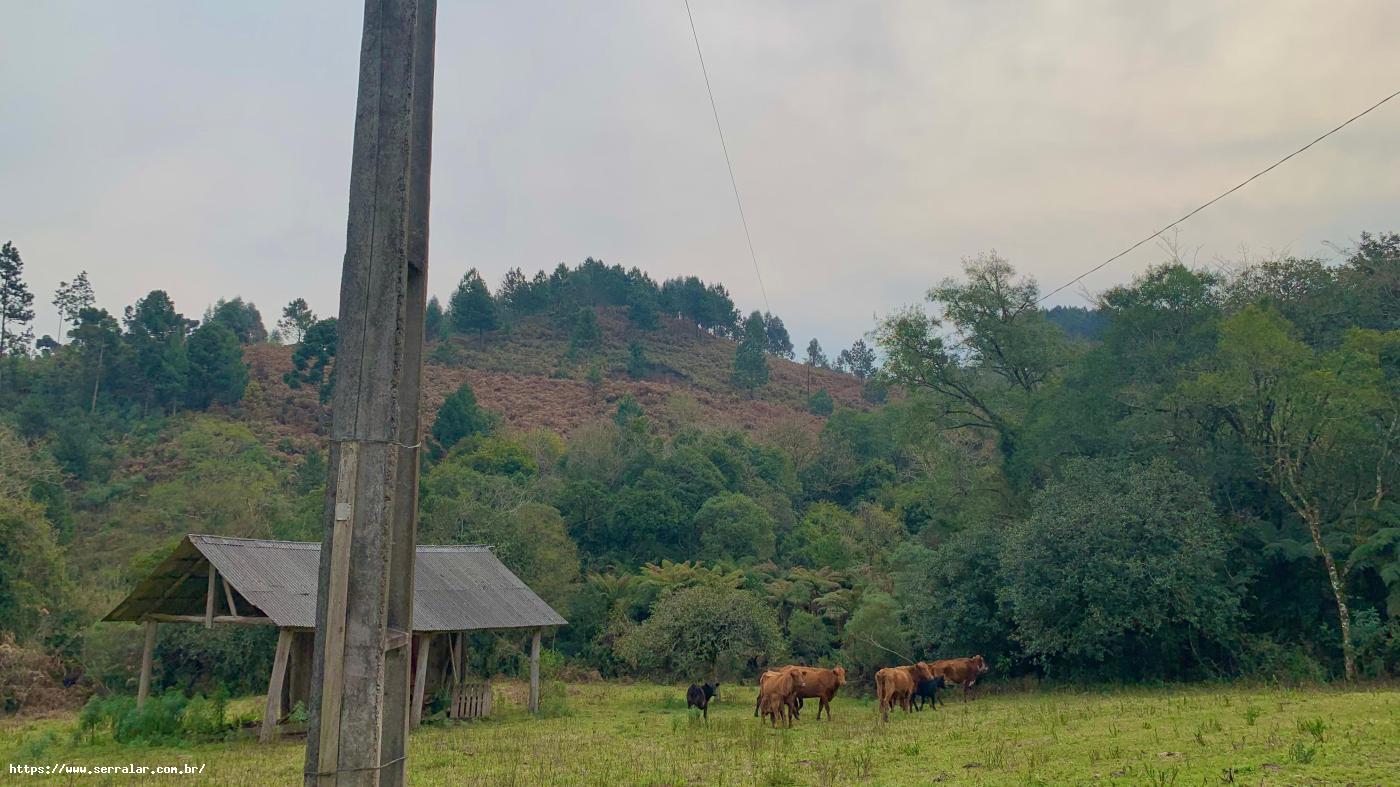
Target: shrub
167	719
703	631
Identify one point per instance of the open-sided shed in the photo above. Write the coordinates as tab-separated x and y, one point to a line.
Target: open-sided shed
214	580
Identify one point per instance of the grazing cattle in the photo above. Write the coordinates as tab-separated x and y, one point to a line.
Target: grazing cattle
700	696
897	684
777	695
928	690
818	683
963	671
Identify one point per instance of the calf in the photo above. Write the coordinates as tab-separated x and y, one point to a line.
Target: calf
927	690
700	696
897	684
964	671
777	695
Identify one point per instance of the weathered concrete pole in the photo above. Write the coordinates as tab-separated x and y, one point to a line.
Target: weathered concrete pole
359	687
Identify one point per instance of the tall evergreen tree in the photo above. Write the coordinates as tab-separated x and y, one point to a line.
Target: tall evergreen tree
859	360
97	337
471	307
459	417
297	319
216	370
750	361
156	334
312	361
433	320
815	357
779	343
16	304
71	298
637	363
239	316
585	336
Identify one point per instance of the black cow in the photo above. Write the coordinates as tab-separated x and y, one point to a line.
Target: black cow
700	696
928	690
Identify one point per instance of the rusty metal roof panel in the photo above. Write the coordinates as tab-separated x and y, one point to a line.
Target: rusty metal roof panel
456	588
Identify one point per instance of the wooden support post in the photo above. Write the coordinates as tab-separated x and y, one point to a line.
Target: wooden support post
209	598
272	710
424	644
143	689
359	710
455	657
535	672
228	594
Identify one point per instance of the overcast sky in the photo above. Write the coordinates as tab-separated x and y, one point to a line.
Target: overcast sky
204	147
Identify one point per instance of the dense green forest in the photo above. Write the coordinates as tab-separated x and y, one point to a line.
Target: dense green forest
1195	477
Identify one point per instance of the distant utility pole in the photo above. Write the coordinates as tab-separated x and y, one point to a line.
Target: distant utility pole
359	717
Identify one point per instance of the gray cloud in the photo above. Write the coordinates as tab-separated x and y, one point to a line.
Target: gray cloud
204	147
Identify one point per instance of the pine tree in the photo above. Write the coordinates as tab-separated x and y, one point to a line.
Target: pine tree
433	321
459	418
156	334
71	298
585	335
239	316
859	360
816	359
312	363
216	370
471	307
637	363
98	339
16	304
750	361
297	319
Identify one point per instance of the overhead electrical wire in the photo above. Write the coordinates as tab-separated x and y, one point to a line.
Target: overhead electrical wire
1214	200
727	163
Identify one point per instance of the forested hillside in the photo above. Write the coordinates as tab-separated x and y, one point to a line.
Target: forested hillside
1195	477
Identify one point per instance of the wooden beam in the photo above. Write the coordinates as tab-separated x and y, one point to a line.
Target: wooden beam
143	688
420	676
209	598
228	594
242	620
272	710
395	639
172	588
535	672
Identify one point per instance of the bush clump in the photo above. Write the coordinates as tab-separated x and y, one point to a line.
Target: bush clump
167	718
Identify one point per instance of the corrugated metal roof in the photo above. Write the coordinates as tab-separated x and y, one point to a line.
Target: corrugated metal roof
455	588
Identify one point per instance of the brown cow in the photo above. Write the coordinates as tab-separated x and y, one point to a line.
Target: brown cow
964	671
818	683
777	695
897	684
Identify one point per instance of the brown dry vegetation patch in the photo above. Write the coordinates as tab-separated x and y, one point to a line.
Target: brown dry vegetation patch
32	681
526	375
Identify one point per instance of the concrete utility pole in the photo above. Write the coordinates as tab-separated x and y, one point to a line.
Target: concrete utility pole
359	716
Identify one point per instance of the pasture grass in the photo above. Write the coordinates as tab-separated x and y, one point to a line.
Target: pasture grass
611	734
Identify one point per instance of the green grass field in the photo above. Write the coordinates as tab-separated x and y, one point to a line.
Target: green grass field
642	734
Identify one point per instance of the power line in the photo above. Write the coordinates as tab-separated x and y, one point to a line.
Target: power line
1219	197
727	163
